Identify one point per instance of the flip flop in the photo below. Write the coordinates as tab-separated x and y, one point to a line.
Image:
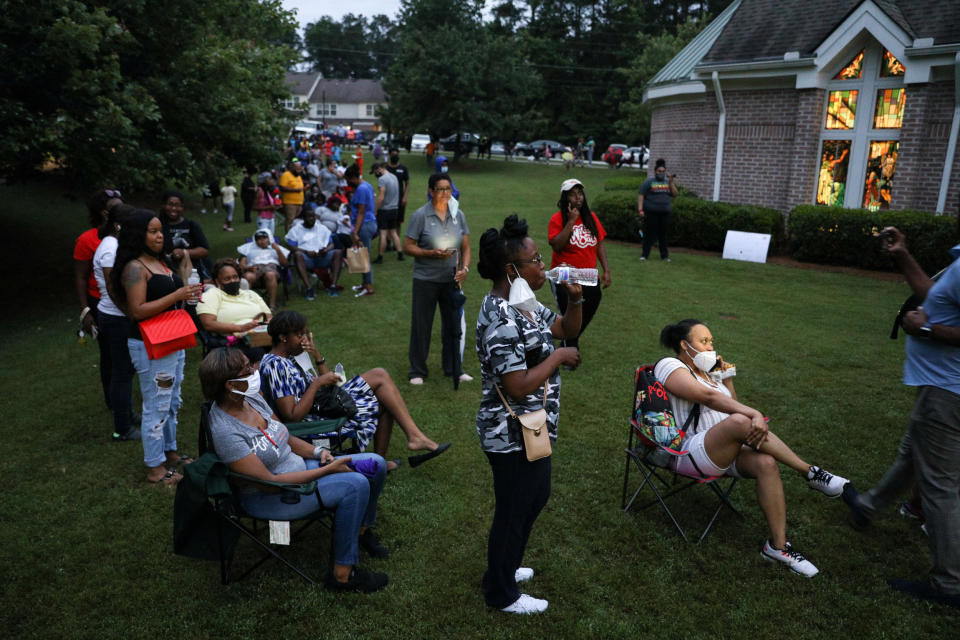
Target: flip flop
169	479
397	462
417	460
185	459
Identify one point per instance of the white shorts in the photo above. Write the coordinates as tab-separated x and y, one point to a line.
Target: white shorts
697	453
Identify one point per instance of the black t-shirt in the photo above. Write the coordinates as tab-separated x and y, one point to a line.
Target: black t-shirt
403	176
186	234
248	190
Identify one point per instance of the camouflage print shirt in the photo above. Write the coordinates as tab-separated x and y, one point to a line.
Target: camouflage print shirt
507	340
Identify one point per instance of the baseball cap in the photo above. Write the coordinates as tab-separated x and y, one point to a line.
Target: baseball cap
570	184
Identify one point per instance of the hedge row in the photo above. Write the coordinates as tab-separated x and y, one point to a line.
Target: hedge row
698	224
834	235
826	235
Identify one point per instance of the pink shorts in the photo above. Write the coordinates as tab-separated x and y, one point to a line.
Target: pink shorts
697	453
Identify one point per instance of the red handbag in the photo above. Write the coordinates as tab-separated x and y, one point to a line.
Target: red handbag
168	332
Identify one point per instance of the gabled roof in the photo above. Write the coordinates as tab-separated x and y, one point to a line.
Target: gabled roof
768	29
354	91
681	66
301	83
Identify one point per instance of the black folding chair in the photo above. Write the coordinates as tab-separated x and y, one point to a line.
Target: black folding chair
233	522
662	481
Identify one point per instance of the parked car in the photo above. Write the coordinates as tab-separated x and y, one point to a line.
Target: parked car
496	148
556	148
419	141
467	140
309	127
640	156
383	138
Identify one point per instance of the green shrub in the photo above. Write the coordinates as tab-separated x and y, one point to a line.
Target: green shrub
698	224
834	235
631	182
617	211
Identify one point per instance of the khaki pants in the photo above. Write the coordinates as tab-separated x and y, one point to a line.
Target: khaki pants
290	212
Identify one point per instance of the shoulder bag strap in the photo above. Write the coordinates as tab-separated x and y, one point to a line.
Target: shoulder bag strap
546	387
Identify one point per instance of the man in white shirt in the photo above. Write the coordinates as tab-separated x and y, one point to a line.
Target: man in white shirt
312	245
260	263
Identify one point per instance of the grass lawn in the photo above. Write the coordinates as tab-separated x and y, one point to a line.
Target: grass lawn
87	547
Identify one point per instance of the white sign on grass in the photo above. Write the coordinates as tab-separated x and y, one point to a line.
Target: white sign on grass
751	247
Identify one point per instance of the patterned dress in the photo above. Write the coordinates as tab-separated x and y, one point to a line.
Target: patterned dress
283	377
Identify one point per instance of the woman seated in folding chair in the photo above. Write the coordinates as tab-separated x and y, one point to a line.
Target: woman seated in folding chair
731	438
250	439
229	313
378	400
261	260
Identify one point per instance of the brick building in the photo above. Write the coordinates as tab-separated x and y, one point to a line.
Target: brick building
785	102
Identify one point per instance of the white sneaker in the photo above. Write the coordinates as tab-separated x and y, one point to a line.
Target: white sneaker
526	605
523	574
793	559
416	381
357	287
826	483
466	377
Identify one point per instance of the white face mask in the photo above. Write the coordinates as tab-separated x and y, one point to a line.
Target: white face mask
253	384
704	360
444	169
521	295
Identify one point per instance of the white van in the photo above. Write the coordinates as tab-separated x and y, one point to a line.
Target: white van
419	142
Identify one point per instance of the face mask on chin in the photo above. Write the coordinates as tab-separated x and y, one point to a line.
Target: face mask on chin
253	385
231	288
521	295
704	360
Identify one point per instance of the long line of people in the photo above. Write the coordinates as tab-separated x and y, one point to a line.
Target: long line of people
137	265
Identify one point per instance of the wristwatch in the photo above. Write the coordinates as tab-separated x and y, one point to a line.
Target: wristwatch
926	332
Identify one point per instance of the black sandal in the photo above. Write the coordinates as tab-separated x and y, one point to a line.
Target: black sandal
417	460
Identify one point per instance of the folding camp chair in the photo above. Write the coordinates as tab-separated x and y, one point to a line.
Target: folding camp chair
219	486
646	455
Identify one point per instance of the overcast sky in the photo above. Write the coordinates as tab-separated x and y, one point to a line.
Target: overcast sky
312	10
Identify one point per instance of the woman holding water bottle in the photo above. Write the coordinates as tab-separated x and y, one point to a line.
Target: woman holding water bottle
291	391
576	237
145	287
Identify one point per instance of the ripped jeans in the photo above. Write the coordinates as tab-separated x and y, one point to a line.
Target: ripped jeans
160	388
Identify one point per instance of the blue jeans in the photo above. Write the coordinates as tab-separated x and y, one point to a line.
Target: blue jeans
354	497
158	428
366	233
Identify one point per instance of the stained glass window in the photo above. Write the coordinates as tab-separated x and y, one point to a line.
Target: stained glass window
853	70
889	112
881	169
891	67
841	109
834	156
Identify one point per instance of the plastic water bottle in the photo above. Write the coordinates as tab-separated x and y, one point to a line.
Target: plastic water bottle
340	374
585	277
193	279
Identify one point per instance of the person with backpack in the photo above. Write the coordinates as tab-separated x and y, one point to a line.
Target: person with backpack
729	438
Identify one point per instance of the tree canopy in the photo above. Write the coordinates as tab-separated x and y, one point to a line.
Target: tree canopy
139	93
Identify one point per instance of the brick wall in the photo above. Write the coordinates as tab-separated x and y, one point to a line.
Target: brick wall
923	149
771	148
685	136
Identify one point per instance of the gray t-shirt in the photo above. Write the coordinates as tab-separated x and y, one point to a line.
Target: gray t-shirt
430	232
656	195
391	196
234	440
328	181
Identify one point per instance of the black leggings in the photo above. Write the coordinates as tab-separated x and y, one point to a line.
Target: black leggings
655	227
591	301
521	489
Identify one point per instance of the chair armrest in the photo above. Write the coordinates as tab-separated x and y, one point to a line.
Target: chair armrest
316	426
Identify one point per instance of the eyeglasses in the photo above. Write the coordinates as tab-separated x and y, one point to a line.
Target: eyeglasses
112	193
442	189
534	260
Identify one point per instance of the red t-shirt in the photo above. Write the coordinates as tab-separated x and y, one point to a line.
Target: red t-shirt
83	250
581	249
